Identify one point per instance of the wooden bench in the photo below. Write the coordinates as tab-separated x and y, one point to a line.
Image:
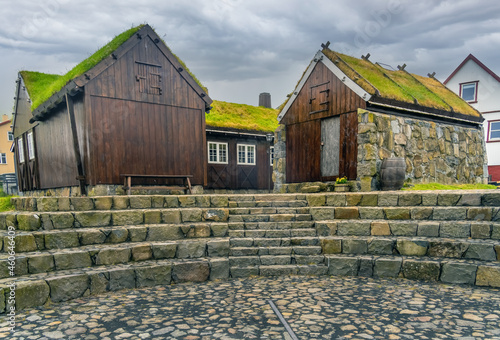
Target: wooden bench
128	182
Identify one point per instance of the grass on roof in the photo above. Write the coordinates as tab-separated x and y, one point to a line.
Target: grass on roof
450	97
242	116
42	86
41	90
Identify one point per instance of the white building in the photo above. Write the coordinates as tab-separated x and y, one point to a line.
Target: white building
480	87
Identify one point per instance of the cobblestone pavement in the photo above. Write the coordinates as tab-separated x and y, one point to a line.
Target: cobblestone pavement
315	308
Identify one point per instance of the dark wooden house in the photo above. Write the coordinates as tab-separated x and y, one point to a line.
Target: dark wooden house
131	108
239	143
347	115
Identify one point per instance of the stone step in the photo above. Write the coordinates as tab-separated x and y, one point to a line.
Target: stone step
431	213
274	242
37	289
452	271
26	241
253	251
446	229
270	218
109	254
271	225
273	233
268	210
278	270
483	250
33	221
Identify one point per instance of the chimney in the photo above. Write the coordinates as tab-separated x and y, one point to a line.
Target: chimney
5	118
265	99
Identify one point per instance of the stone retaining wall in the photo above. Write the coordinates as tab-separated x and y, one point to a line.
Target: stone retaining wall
434	152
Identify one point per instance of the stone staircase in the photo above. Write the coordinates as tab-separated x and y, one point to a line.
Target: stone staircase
66	248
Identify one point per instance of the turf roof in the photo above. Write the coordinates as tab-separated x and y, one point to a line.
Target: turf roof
42	86
400	85
242	117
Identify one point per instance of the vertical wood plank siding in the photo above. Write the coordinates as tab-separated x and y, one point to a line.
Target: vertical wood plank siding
303	128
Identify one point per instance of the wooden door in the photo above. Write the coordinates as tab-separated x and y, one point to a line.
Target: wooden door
330	147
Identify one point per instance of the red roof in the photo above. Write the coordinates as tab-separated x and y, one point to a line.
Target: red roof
471	57
5	122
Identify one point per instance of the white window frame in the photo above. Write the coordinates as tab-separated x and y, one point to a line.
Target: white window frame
3	158
246	148
271	154
462	85
20	149
10	136
218	147
494	139
31	146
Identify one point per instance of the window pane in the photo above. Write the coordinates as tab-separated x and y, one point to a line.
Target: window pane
222	153
31	148
241	154
494	134
250	154
212	152
469	92
4	159
20	150
495	126
10	135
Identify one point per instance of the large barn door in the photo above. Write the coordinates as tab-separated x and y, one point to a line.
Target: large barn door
330	147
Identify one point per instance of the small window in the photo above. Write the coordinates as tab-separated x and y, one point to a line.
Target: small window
31	146
20	150
10	135
246	154
468	91
217	152
3	158
271	154
494	131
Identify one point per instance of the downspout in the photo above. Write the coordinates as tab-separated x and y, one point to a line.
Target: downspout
76	146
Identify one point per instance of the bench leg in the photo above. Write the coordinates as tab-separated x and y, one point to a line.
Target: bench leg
189	185
129	183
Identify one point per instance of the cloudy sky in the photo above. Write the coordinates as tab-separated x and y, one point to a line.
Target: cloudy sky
240	48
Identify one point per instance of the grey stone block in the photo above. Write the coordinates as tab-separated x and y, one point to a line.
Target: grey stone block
366	264
121	279
470	199
312	270
326	228
153	275
137	234
152	217
428	229
480	230
244	261
479	213
62	220
421	213
354	228
93	219
387	267
25	221
112	256
192	249
372	213
215	215
218	248
491	199
103	203
421	270
92	236
98	282
23	243
117	235
41	263
238	272
411	247
187	201
269	260
164	233
343	266
488	276
409	199
140	202
449	214
397	213
120	202
219	201
429	199
321	214
72	260
458	273
67	287
448	199
388	200
380	246
454	229
190	272
219	269
403	228
82	203
309	259
278	270
336	200
141	252
447	248
128	217
30	294
495	231
354	246
219	229
171	216
47	204
331	246
164	250
483	252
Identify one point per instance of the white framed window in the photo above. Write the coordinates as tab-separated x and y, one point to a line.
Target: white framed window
217	152
246	154
10	136
20	150
271	155
494	131
31	146
3	158
468	91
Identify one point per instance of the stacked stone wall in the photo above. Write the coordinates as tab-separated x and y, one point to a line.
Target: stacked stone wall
434	152
279	163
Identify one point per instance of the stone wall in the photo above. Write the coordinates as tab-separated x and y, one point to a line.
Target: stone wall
279	164
434	152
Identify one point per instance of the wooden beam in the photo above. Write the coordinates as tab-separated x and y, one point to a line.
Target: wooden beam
79	163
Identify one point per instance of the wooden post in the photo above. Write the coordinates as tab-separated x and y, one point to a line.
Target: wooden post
76	147
129	184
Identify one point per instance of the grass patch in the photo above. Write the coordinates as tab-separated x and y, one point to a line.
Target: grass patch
242	116
42	86
5	204
438	186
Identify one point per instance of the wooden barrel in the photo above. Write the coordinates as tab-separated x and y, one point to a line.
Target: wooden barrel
392	173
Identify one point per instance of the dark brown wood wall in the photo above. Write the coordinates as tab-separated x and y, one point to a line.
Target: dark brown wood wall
143	125
234	176
303	126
